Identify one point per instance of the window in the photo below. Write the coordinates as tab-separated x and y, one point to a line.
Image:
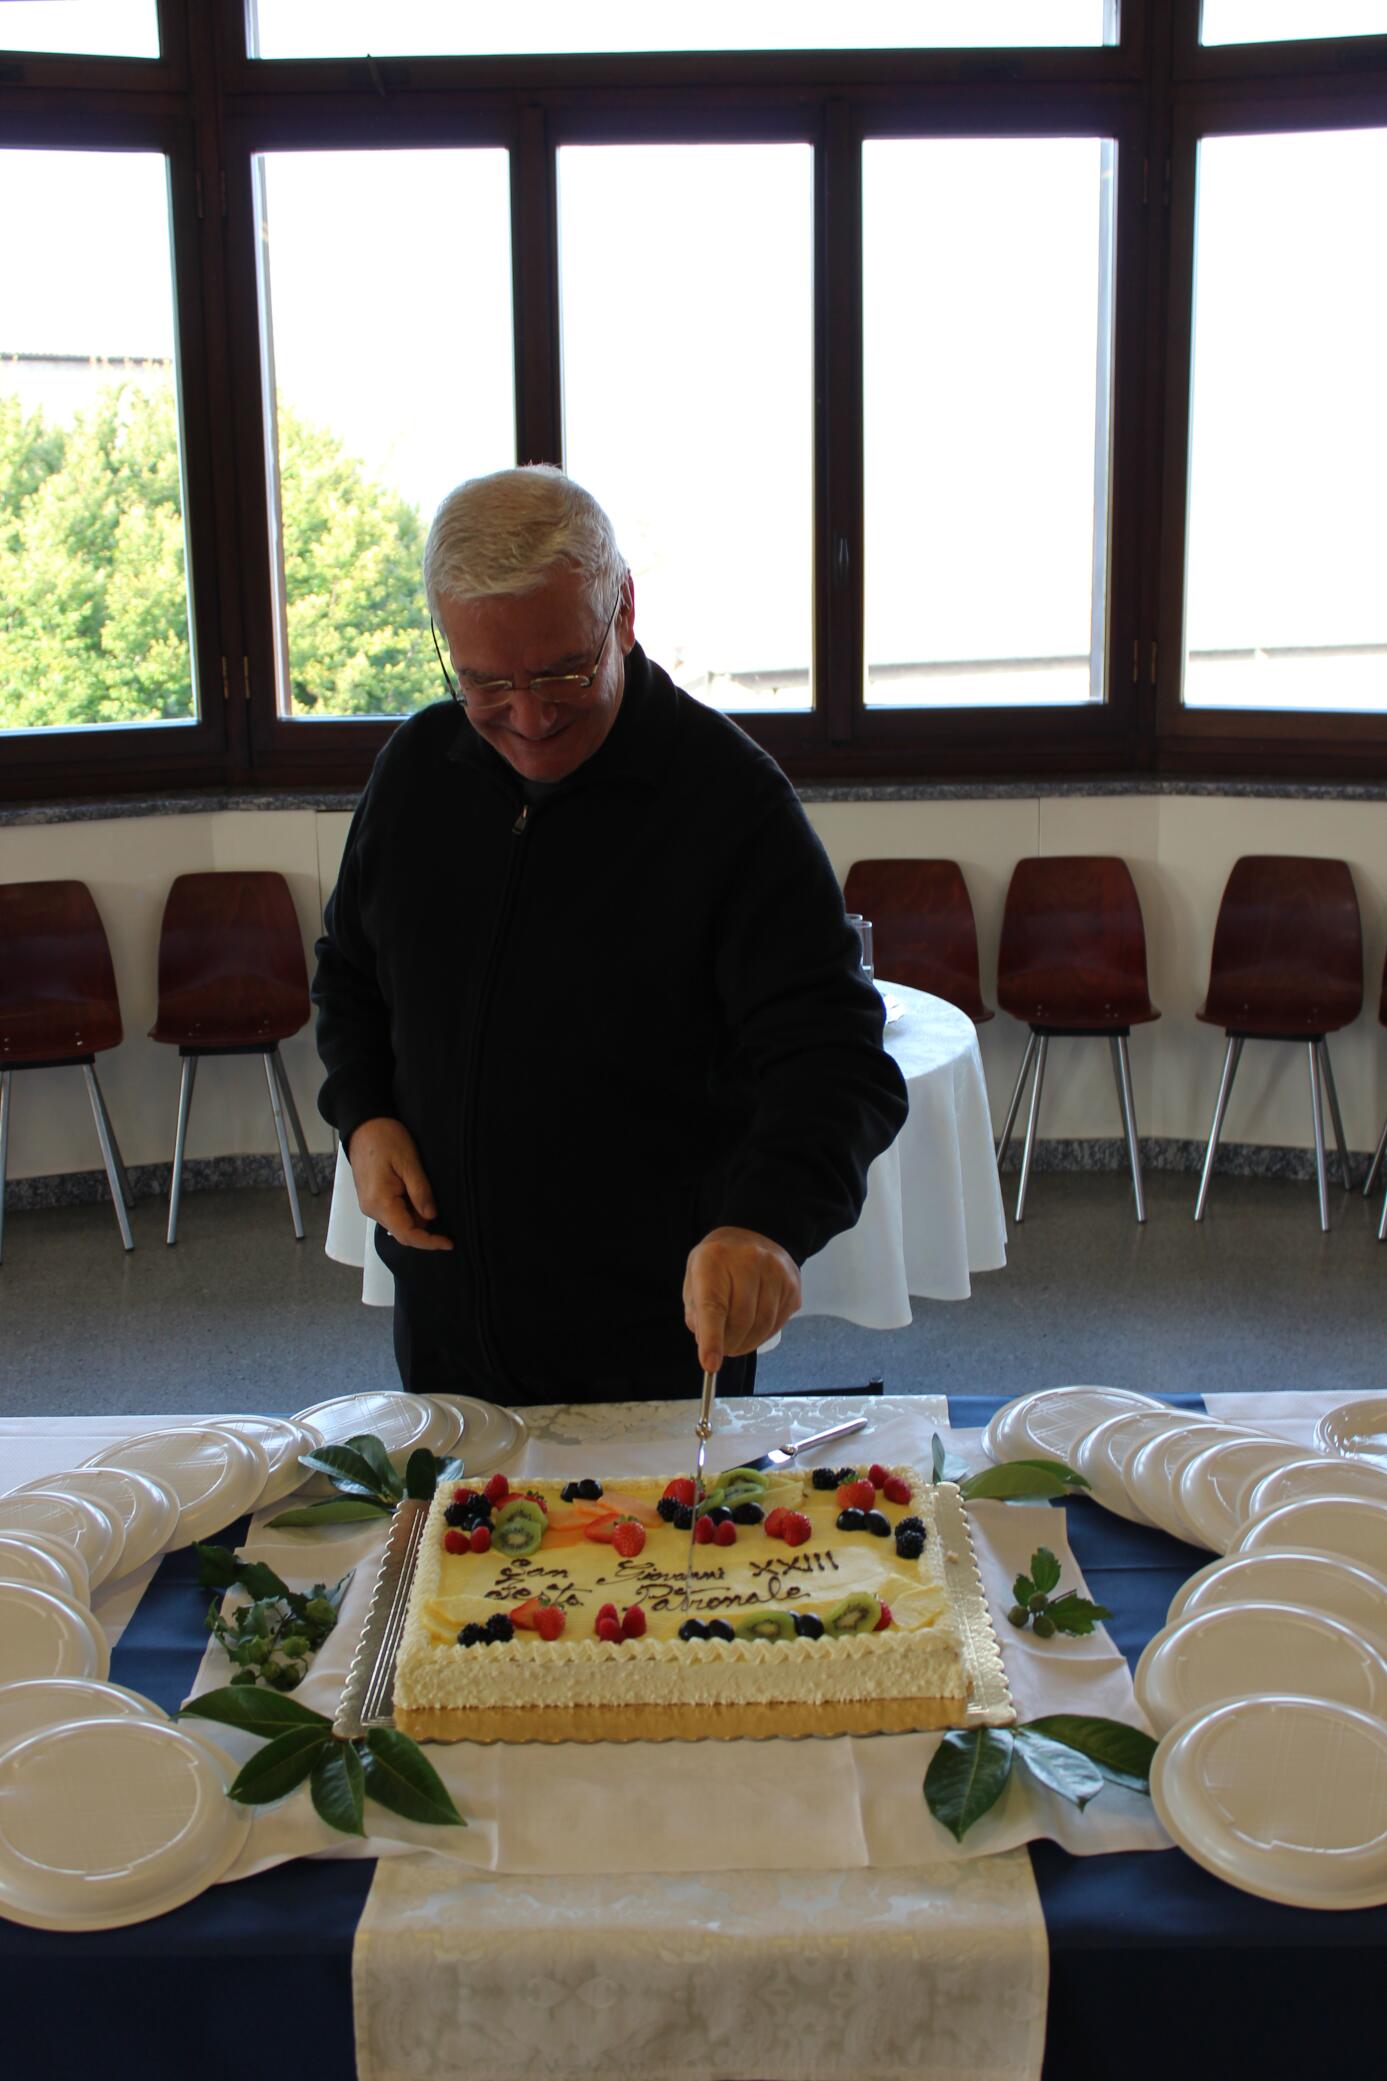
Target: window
1281	21
88	28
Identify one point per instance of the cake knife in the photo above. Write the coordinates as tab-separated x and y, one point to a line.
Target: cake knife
702	1431
785	1455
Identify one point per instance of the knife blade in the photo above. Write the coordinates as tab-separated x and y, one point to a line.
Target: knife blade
785	1455
702	1431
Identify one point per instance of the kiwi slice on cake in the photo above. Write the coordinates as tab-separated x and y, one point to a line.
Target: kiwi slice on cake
859	1613
518	1527
765	1625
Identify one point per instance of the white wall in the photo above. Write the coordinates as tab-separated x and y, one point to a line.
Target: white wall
1179	847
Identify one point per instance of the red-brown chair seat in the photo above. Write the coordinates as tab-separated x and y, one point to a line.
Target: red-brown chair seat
58	1008
1073	949
231	964
1287	961
58	1000
923	930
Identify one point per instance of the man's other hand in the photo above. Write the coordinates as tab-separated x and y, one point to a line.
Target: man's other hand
390	1184
739	1289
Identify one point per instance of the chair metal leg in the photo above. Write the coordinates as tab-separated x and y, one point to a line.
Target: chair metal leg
185	1106
1375	1166
1335	1115
1031	1125
115	1178
1122	1070
99	1098
1021	1076
286	1161
1317	1117
1382	1225
6	1078
287	1094
1231	1059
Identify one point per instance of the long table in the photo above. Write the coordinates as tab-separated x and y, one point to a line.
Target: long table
1156	1967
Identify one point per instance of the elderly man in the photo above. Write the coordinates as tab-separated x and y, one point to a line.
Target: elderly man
597	1042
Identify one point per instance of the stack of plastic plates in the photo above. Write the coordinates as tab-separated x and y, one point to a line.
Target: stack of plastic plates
43	1633
490	1435
1342	1590
146	1509
1153	1473
1233	1651
1105	1456
216	1475
1281	1796
1353	1527
29	1556
109	1821
1050	1423
282	1440
76	1521
403	1423
28	1707
1355	1429
1216	1484
1321	1476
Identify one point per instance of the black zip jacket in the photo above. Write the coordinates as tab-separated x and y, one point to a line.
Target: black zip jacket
612	1020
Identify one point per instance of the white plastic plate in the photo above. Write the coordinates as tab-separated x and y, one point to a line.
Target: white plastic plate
1349	1526
73	1856
1238	1650
49	1701
215	1474
76	1520
1319	1582
401	1422
1356	1429
490	1435
1215	1486
1153	1473
146	1509
43	1633
1050	1422
1105	1455
281	1440
1282	1797
1321	1476
30	1557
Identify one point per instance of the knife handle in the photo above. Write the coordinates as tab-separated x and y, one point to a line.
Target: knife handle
838	1430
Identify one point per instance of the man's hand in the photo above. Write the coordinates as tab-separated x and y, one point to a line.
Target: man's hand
739	1289
390	1184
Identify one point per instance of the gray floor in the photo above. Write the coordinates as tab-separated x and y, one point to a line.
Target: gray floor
239	1316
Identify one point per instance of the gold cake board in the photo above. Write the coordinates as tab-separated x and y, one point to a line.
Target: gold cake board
367	1698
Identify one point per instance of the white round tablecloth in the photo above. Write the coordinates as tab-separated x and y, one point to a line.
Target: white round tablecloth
933	1214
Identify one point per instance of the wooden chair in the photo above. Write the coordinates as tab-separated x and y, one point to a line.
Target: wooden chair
1072	961
58	1008
922	927
232	981
1381	1150
1287	965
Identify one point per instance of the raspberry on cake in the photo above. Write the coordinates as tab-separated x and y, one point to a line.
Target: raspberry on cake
800	1617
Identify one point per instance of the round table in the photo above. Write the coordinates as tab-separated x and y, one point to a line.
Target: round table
933	1213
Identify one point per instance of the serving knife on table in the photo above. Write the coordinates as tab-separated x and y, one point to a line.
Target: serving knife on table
785	1455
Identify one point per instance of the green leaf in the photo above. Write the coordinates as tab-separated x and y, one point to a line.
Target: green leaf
334	1510
338	1788
1056	1467
1045	1570
255	1712
347	1468
1022	1590
400	1776
944	1464
420	1476
219	1568
967	1775
281	1765
1063	1769
1121	1752
1013	1478
372	1450
1075	1614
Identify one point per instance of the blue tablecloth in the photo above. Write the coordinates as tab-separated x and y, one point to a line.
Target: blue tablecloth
1156	1968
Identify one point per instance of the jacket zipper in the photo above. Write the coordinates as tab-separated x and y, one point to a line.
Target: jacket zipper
469	1100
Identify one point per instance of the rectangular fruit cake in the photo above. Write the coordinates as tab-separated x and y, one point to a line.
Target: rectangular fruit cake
555	1612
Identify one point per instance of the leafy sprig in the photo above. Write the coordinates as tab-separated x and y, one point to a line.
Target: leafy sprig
383	1764
1074	1754
272	1637
1034	1606
367	1485
1009	1481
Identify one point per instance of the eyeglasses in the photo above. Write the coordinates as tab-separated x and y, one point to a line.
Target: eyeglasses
483	696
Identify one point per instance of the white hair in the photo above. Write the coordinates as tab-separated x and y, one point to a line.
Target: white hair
505	533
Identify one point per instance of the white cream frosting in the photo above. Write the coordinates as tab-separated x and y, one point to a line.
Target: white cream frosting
917	1656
